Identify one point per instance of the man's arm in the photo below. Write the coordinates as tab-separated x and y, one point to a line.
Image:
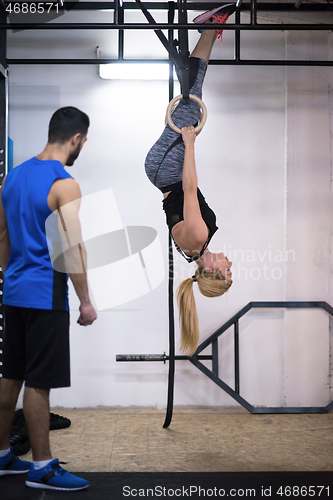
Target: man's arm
68	195
4	235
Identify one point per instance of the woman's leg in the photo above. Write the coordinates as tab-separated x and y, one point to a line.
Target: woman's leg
165	170
204	46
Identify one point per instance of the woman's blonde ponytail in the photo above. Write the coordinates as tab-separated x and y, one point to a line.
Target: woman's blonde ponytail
188	317
210	285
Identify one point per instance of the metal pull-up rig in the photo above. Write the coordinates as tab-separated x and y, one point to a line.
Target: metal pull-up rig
178	57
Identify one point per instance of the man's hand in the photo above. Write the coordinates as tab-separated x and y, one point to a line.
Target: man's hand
188	135
87	315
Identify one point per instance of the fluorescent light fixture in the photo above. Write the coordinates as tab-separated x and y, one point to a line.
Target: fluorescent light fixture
134	71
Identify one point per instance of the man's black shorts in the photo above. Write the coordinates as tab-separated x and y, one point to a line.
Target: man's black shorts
36	347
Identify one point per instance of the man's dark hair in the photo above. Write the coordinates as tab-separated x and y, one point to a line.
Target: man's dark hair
65	123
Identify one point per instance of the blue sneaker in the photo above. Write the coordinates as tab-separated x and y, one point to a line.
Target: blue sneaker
10	464
54	477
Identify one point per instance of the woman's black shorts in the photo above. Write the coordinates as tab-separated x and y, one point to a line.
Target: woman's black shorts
36	347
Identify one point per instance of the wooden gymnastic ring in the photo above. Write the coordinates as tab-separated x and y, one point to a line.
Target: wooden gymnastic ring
171	107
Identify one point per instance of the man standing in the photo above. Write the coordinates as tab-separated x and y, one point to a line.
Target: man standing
36	343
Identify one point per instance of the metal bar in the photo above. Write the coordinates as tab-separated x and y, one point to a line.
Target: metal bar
254	8
171	375
3	147
221	384
184	76
248	406
237	37
162	26
213	62
223	328
86	61
287	304
236	346
171	16
290	409
215	356
213	375
141	357
5	171
197	6
157	357
264	62
251	305
327	308
329	407
119	19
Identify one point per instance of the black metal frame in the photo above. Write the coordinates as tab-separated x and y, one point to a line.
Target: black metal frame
180	59
253	7
213	374
3	146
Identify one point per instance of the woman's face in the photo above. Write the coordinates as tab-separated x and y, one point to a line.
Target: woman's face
222	265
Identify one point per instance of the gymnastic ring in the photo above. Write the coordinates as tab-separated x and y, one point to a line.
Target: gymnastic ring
171	107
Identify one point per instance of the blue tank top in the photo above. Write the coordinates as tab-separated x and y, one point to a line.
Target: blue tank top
30	279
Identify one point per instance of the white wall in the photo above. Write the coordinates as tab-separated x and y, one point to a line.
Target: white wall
264	165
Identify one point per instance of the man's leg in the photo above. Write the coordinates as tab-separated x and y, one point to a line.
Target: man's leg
9	463
36	407
9	392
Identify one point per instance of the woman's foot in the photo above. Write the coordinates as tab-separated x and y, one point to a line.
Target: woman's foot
220	15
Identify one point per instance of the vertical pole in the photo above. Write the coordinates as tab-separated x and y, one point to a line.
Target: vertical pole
183	49
253	12
171	15
237	36
215	361
236	339
3	144
119	19
171	377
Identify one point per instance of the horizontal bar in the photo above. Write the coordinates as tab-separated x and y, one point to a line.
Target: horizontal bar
289	409
88	61
146	26
157	357
274	6
287	304
265	62
214	62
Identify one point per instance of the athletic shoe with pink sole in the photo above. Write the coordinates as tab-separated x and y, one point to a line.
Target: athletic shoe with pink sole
220	15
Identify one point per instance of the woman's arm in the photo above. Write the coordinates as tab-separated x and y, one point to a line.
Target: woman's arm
195	229
189	178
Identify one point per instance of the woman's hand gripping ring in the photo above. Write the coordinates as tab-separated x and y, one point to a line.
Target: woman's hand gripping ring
171	107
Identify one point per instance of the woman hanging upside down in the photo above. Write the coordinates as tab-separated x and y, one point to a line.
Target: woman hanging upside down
170	166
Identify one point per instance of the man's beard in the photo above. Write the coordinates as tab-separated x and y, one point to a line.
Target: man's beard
74	154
